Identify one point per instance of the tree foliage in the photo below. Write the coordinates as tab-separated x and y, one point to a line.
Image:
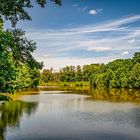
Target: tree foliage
18	68
120	73
16	10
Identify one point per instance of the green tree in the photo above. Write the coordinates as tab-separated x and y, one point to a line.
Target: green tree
67	74
16	10
46	76
109	77
18	68
7	65
22	49
135	76
79	73
136	57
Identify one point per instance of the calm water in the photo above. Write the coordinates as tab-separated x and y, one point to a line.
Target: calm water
55	115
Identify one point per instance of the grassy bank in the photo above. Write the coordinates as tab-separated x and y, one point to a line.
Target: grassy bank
18	95
110	94
67	84
121	95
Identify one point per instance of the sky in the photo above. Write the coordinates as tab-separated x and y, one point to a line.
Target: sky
84	31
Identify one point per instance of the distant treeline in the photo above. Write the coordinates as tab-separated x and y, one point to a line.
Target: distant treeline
120	73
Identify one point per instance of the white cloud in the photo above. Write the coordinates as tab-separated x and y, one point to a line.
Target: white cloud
126	52
95	11
99	49
59	62
114	25
57	47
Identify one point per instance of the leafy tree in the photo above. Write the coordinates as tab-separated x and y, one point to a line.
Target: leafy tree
18	68
7	66
22	49
23	79
46	76
88	70
120	73
35	77
136	57
67	74
135	75
79	73
109	77
16	10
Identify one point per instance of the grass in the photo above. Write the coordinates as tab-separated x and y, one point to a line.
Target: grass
66	84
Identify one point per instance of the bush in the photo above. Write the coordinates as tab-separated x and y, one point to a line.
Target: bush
5	98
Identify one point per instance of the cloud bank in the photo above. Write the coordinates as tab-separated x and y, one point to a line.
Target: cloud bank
95	43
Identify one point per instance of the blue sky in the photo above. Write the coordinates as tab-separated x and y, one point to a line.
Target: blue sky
84	31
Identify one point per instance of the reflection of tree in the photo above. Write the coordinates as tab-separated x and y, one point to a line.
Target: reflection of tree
113	94
11	112
116	94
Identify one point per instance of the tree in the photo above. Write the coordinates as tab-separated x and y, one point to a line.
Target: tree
136	57
22	49
79	73
67	74
15	10
18	68
46	76
7	66
88	70
109	77
135	76
120	73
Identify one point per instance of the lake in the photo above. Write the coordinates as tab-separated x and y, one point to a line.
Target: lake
58	115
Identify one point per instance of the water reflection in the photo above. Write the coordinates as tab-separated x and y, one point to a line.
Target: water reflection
123	95
11	113
132	95
62	115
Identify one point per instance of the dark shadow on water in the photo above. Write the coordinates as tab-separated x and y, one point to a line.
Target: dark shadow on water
11	113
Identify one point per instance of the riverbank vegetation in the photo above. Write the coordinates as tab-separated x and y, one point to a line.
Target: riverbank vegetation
118	80
120	73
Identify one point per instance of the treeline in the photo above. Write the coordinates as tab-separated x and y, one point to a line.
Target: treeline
18	68
120	73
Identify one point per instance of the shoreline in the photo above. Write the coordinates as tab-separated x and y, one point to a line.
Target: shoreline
123	95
